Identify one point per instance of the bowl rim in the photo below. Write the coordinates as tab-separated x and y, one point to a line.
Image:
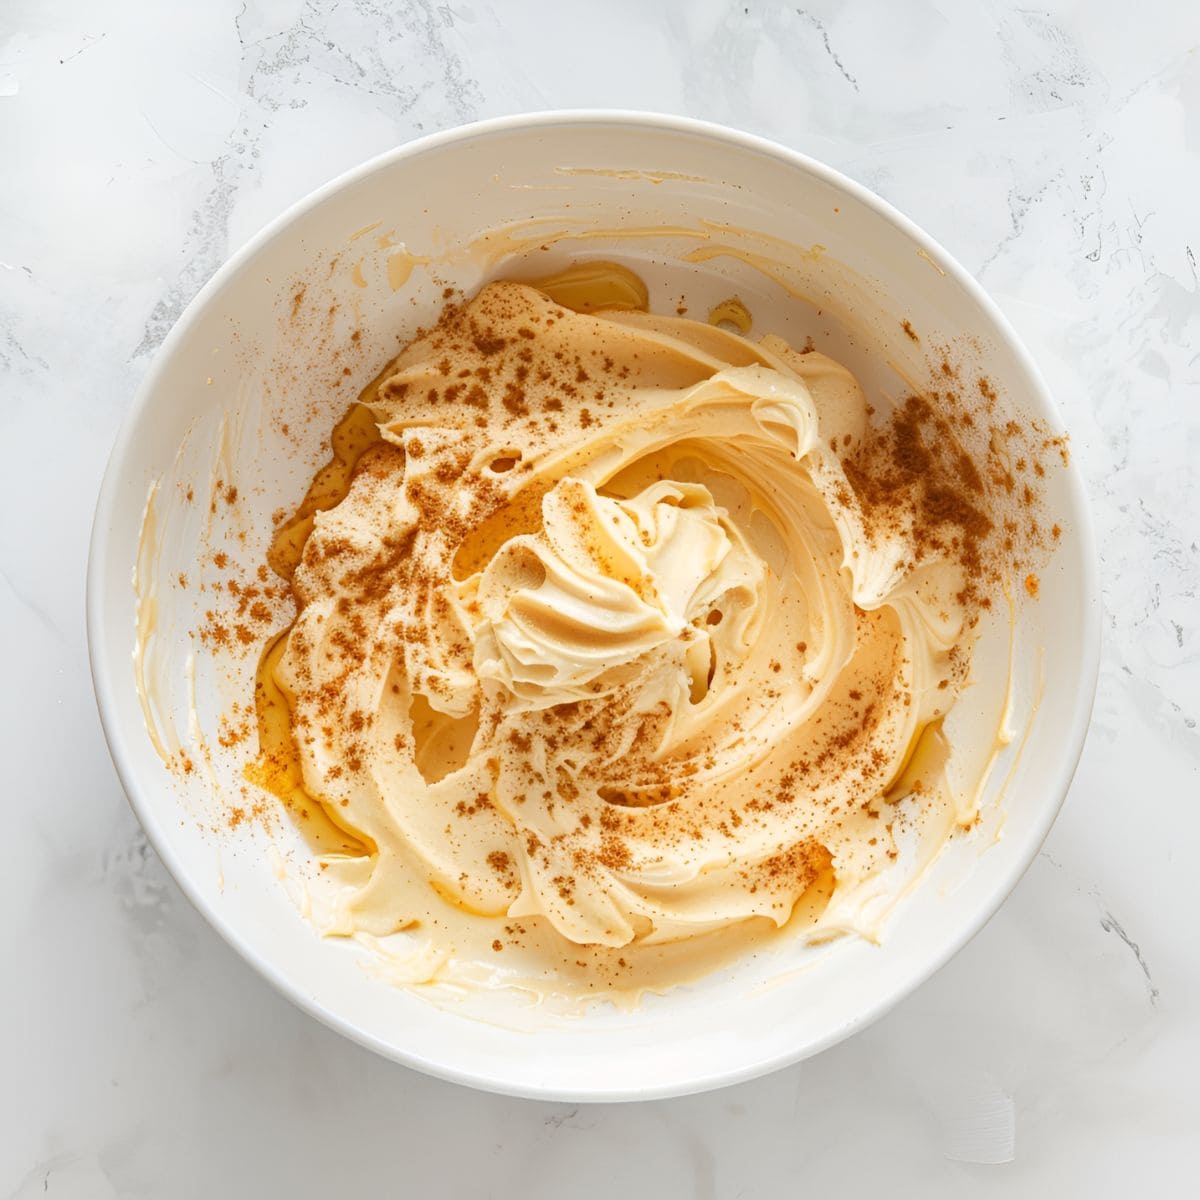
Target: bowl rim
104	670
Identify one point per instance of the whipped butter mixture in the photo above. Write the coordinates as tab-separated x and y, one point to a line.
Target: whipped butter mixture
624	646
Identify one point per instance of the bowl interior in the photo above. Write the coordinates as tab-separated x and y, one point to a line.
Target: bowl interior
241	394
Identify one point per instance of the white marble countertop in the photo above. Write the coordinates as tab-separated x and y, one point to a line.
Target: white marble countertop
1055	150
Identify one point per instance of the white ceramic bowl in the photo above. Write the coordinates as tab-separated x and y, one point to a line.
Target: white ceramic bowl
825	257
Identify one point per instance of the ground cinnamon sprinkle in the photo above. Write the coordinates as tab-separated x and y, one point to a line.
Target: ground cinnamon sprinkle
933	459
614	854
941	469
243	614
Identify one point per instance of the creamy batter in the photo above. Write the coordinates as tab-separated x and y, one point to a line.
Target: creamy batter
613	658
